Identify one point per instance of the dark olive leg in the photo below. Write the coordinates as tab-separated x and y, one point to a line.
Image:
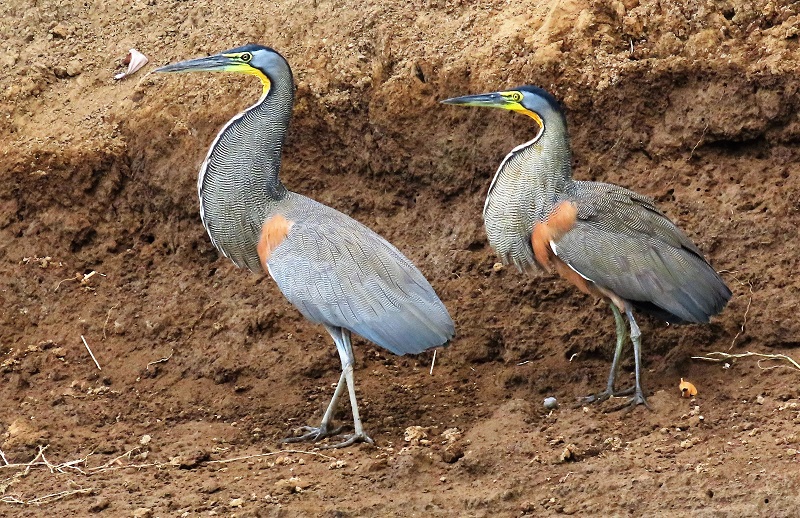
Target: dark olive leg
622	334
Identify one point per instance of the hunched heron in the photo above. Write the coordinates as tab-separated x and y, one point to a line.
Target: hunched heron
606	240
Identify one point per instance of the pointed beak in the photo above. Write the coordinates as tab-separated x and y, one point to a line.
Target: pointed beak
492	100
216	63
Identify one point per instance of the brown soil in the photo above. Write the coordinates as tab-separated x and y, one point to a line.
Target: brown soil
693	103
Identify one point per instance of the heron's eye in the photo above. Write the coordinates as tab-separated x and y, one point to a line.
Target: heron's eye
246	57
516	96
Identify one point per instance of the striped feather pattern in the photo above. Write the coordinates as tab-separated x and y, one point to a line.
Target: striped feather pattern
240	174
620	240
340	273
523	192
334	269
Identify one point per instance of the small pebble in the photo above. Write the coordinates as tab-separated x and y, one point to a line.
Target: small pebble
550	403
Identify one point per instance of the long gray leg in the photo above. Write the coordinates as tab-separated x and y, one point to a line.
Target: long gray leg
317	433
622	334
345	349
323	430
636	337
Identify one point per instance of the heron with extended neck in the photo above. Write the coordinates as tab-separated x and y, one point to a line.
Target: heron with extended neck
336	271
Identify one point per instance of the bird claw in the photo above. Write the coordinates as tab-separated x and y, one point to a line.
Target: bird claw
604	395
636	400
352	439
313	434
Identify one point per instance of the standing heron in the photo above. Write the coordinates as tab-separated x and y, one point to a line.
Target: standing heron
608	241
336	271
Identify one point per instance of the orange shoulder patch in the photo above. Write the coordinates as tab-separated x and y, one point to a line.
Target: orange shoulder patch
558	223
273	232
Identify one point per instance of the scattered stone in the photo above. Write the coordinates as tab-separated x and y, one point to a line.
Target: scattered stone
759	399
414	434
190	460
452	453
570	453
498	267
210	487
236	502
143	512
292	485
338	464
99	504
74	68
145	440
60	31
550	403
451	435
22	433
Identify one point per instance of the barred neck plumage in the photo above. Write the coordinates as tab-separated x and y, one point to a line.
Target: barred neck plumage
525	190
540	169
239	178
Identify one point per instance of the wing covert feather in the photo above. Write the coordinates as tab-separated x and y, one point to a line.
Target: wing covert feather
338	272
623	243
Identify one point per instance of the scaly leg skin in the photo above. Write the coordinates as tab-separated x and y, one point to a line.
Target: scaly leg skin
314	434
636	337
609	391
345	349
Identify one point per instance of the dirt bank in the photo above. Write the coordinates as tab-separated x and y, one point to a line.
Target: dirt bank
695	104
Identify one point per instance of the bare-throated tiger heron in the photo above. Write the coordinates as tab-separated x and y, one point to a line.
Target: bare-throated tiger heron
607	240
336	271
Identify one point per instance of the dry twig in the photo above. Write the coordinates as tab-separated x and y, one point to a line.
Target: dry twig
80	466
91	353
747	309
108	317
703	134
162	360
721	356
58	496
83	279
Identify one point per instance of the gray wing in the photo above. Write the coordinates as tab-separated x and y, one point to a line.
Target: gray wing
340	273
623	243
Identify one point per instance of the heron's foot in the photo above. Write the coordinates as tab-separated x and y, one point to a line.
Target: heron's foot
637	399
350	440
602	396
313	434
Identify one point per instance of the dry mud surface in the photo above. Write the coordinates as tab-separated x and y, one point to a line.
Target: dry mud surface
693	103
